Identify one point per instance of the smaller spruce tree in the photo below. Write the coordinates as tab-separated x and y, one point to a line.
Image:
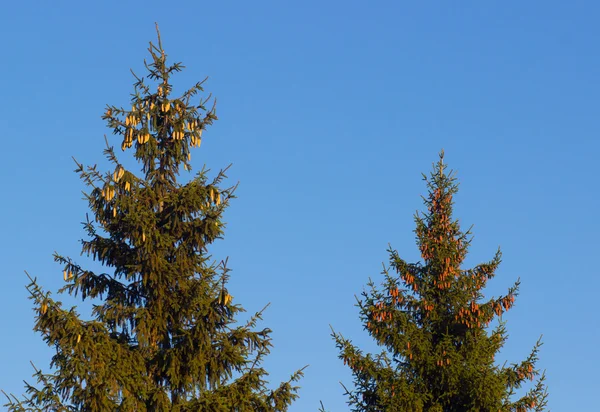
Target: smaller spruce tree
432	320
163	335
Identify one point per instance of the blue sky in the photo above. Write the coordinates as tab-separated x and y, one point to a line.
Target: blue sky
329	112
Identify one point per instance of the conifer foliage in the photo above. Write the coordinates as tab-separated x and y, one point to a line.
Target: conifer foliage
163	335
431	320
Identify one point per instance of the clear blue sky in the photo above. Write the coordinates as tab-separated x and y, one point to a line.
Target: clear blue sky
329	111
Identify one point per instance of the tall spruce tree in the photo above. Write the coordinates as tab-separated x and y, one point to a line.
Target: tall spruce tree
163	334
432	320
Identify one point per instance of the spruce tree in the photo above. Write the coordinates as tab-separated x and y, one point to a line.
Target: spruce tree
163	334
433	324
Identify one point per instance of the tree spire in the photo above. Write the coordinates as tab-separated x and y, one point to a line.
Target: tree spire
431	320
163	333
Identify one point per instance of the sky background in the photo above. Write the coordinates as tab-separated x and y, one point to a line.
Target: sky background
329	111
